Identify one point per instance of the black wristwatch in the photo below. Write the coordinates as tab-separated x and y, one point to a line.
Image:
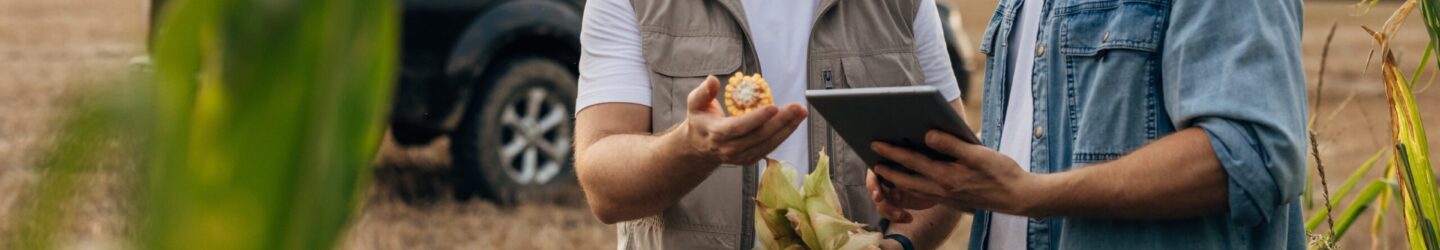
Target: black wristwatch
904	241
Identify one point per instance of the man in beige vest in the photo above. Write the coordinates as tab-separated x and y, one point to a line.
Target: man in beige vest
656	154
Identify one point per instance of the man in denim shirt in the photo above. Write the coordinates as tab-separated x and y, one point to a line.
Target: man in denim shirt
1147	124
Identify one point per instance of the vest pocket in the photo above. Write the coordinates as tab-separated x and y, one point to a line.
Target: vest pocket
691	56
681	63
882	70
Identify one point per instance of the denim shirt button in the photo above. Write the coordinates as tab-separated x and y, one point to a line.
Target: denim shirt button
1039	50
1039	132
1105	37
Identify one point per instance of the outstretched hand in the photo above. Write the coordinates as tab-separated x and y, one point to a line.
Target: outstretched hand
742	139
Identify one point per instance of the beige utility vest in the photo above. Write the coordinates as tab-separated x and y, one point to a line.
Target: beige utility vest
853	44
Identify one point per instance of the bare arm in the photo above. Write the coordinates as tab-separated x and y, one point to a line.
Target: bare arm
1177	176
629	173
625	169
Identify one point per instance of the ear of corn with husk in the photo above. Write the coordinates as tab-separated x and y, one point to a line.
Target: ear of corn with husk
805	218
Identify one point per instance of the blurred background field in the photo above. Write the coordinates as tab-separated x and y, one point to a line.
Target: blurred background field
51	48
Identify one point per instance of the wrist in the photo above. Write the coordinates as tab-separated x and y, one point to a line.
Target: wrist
1037	194
688	145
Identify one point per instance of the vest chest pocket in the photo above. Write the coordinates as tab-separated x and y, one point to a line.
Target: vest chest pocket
1110	50
882	70
680	64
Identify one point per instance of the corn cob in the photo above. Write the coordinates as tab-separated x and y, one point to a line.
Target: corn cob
746	93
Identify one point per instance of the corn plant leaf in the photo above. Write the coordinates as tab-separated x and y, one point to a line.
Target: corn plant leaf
1359	205
268	114
1421	200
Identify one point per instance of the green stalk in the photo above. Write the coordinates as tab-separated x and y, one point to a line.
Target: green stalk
1345	188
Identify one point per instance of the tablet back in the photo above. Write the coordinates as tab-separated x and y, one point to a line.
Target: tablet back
897	115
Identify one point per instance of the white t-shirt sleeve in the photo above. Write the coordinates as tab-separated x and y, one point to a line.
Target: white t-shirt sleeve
612	68
930	50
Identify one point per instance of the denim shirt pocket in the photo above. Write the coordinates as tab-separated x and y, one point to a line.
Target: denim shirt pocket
1111	66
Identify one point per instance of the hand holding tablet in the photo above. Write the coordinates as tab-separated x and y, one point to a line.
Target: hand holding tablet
899	116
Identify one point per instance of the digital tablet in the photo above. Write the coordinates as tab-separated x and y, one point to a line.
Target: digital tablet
899	116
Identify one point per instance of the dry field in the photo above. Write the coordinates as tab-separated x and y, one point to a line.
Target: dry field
51	48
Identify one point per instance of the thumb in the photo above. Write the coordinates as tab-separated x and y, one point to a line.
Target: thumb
704	95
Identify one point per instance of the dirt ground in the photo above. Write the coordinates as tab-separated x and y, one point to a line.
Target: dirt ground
50	48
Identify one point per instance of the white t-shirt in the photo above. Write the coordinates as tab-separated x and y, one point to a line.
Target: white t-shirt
612	68
1009	231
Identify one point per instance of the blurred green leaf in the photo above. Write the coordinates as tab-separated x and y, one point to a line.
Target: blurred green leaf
268	115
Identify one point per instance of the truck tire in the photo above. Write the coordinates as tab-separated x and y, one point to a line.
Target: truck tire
514	140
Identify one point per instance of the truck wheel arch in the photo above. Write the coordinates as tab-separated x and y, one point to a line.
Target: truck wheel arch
499	27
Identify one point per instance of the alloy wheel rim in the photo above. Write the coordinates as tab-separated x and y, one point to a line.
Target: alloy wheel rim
535	137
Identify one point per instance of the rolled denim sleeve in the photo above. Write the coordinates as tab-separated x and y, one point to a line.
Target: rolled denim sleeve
1234	68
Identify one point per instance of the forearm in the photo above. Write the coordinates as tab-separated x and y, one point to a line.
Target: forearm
1177	176
929	228
630	176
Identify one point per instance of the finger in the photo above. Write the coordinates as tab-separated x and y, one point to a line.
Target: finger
735	127
892	203
890	211
785	118
910	159
953	204
872	184
909	183
758	145
775	130
948	144
702	98
907	200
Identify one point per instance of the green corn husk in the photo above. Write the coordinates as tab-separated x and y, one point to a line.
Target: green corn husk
772	204
807	218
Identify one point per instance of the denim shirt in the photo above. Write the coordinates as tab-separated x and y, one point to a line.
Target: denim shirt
1113	75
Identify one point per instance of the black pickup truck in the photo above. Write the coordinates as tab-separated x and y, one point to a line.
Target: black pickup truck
498	77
